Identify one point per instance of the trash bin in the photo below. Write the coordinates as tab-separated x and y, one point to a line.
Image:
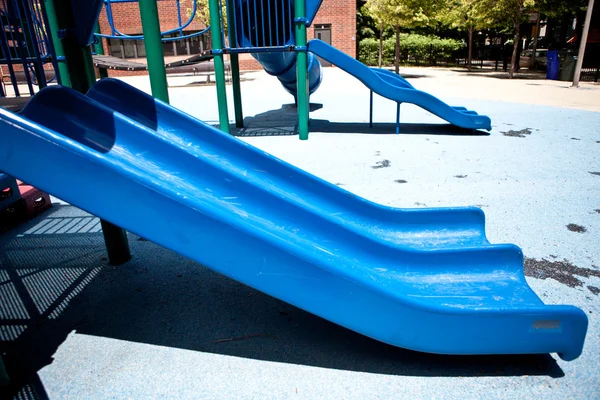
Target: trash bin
567	71
553	65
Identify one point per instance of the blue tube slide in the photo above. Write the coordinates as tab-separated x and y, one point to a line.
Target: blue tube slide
270	23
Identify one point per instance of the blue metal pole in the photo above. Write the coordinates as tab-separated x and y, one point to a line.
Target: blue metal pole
33	36
371	109
6	50
398	118
50	45
22	53
179	16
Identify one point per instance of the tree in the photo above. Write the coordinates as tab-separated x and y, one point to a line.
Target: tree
469	15
556	8
376	9
365	25
514	10
409	14
400	14
203	15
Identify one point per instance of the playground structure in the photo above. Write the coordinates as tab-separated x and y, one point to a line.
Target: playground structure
266	30
273	31
425	279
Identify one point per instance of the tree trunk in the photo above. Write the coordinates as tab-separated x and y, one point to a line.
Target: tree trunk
380	44
470	56
397	64
535	40
515	53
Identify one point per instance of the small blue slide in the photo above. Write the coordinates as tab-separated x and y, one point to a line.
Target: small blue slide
426	279
394	87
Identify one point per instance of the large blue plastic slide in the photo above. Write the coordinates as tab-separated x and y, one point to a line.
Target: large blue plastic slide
396	88
426	280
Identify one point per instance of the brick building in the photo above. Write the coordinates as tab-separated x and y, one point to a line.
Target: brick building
335	23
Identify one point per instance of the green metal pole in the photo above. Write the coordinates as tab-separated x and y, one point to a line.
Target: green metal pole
154	50
302	97
58	47
235	72
80	70
217	47
237	92
99	49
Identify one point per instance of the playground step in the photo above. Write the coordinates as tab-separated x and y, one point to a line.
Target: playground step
29	203
9	191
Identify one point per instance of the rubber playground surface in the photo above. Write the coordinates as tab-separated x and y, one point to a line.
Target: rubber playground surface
162	326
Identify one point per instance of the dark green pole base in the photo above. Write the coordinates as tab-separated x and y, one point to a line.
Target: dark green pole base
117	244
237	93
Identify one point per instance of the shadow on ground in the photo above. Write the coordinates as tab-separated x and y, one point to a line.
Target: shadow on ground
390	128
490	73
284	122
206	81
55	280
404	74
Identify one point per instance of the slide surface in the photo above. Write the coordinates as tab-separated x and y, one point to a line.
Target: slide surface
426	280
394	87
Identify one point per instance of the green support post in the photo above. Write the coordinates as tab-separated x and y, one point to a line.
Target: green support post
237	92
235	72
99	49
81	75
58	47
154	50
217	47
302	97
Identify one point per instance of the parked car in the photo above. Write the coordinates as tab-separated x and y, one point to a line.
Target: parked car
541	60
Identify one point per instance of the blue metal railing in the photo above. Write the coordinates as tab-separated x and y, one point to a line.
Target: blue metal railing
24	44
260	25
117	34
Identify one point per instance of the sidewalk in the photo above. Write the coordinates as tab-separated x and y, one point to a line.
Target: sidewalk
525	87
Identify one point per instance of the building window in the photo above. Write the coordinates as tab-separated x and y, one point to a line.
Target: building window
136	49
127	48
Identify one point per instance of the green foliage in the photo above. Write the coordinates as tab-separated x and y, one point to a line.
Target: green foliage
466	14
203	13
415	46
402	13
376	9
556	8
508	12
365	24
